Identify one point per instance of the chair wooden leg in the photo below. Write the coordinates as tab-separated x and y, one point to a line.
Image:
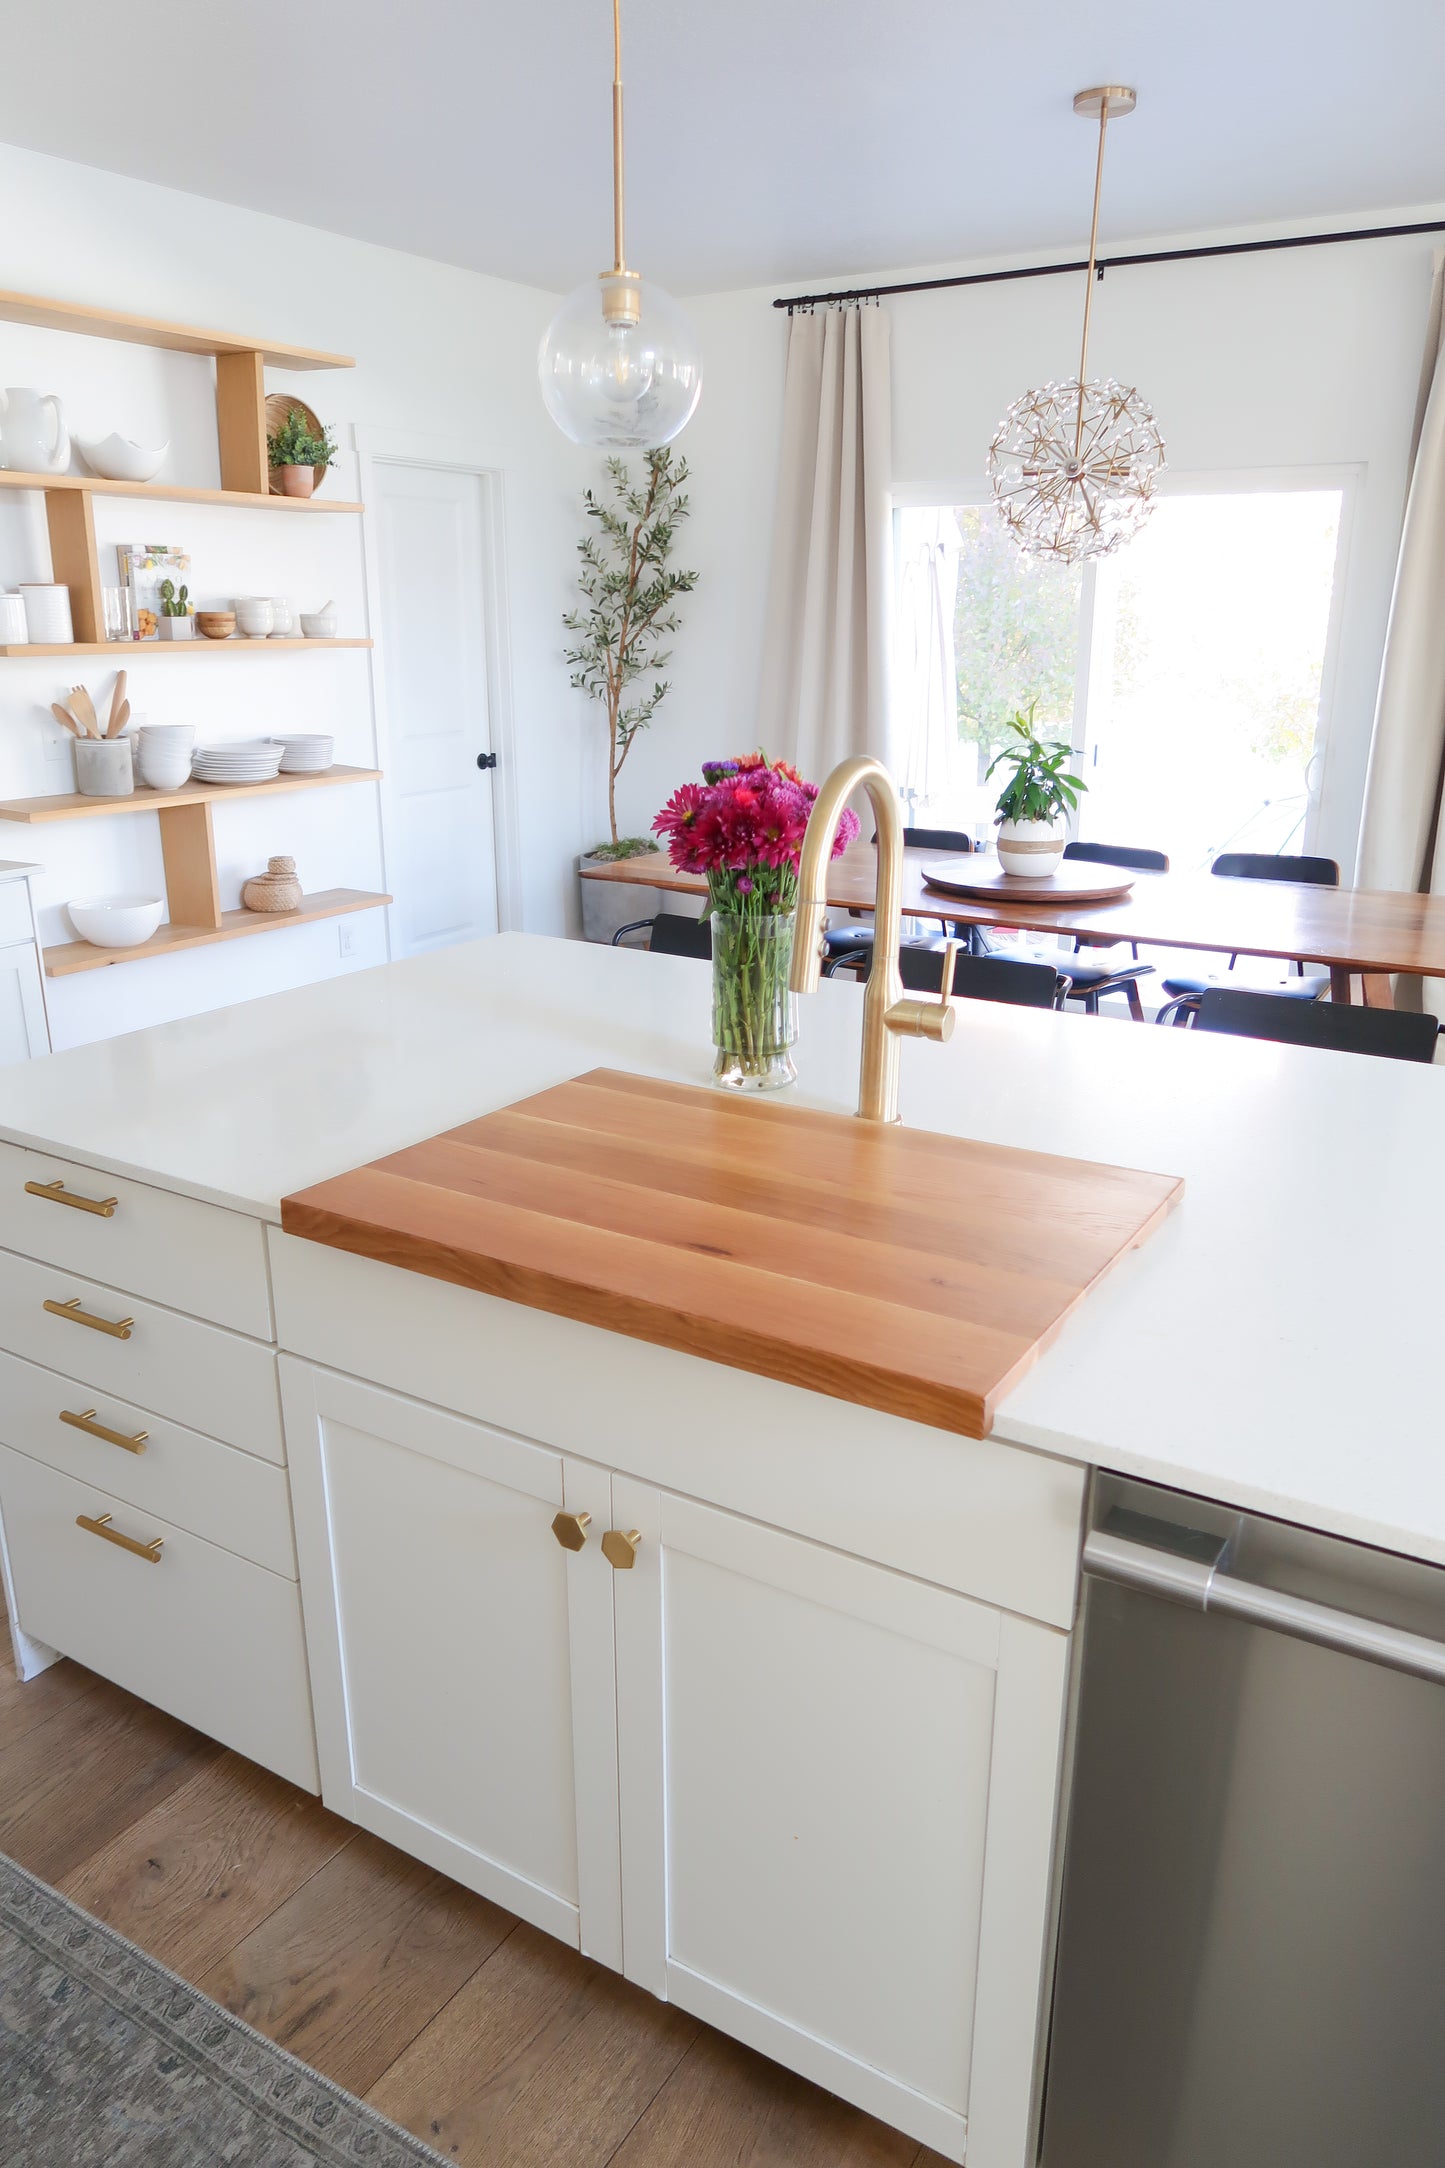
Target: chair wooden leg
1136	1006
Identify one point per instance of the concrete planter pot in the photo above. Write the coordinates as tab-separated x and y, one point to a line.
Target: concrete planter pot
606	905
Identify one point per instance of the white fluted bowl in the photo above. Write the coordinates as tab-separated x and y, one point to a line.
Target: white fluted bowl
121	459
116	921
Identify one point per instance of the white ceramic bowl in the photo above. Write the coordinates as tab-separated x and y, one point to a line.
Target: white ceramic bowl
120	459
116	921
318	625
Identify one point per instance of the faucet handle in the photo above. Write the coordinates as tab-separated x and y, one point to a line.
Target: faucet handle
918	1016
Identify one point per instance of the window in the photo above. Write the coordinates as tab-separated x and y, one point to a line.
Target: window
1187	671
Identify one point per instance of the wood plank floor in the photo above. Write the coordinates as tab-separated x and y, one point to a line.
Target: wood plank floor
496	2044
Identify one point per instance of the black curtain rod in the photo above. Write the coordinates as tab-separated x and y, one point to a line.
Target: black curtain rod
1110	263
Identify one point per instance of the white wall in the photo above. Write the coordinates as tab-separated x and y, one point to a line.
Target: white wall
1299	360
439	351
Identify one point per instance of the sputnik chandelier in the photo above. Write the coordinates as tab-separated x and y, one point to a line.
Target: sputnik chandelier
619	364
1073	466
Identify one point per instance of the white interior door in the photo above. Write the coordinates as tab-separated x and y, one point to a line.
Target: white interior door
432	685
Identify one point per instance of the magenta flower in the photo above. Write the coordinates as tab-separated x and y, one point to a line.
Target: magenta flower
743	826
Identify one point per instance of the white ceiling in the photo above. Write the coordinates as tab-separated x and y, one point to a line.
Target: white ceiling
769	140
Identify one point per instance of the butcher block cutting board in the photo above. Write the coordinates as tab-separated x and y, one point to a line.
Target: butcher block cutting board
916	1273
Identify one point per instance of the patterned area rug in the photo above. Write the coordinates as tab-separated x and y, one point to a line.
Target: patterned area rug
107	2060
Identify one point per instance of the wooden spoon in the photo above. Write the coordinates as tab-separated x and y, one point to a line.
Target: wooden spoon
119	720
63	715
82	706
117	700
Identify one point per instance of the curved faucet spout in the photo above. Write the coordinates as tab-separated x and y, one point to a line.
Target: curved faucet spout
887	1013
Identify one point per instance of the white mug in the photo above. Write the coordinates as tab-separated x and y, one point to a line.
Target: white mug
283	618
14	631
253	615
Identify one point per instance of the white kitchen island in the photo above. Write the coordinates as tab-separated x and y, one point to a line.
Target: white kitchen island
796	1766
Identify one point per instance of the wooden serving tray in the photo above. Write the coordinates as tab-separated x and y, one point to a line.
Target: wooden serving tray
915	1273
1074	882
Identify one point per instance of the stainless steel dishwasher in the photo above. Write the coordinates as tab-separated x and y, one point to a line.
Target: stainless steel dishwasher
1251	1962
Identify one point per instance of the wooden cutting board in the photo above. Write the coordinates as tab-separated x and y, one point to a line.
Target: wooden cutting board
915	1273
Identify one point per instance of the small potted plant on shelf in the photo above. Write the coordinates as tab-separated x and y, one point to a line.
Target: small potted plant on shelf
1034	805
299	454
175	620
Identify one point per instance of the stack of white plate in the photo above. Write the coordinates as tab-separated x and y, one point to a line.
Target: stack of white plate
304	752
253	761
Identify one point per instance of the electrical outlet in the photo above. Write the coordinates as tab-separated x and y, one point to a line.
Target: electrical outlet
346	940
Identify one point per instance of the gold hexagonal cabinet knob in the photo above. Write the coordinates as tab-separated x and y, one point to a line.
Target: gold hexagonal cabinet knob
570	1529
619	1547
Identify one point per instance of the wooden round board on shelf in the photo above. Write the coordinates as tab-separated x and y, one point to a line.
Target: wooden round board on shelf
278	405
1073	882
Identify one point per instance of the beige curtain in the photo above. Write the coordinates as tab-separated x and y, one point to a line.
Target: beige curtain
824	691
1402	836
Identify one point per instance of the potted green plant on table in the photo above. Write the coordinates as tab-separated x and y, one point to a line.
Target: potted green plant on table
300	452
1035	803
630	592
174	620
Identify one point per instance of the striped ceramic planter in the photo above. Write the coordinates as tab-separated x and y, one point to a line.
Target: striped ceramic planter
1031	847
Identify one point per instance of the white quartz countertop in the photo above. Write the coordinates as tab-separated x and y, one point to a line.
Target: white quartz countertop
1276	1344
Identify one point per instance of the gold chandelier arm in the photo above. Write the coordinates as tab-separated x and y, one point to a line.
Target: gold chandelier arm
619	250
1093	258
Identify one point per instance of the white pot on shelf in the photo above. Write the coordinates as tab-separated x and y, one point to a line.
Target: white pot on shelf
175	628
1035	848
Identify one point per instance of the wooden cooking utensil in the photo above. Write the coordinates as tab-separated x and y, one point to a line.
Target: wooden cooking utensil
83	707
63	715
117	701
119	720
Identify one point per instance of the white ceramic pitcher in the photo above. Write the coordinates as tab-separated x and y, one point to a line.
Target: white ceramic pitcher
32	441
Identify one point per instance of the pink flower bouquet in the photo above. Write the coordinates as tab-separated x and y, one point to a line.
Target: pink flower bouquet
743	827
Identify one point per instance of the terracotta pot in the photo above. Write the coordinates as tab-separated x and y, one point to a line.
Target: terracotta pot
277	889
295	481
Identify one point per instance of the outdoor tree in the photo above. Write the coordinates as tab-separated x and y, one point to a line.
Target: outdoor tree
1015	635
631	594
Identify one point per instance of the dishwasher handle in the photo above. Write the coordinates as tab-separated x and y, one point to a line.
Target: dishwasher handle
1200	1585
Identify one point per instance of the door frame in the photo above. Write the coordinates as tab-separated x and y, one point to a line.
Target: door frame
407	447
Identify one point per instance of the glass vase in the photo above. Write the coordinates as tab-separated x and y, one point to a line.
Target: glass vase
754	1015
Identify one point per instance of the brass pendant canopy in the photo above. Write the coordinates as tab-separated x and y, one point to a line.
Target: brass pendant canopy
1073	464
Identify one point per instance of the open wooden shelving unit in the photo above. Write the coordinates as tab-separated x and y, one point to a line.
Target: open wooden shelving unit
188	843
245	474
188	852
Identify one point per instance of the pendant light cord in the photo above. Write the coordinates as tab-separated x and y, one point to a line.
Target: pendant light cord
1093	259
619	250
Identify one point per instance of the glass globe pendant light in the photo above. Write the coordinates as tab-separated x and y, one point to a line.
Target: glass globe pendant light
619	364
1073	465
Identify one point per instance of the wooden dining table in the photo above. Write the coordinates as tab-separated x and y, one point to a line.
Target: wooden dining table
1364	934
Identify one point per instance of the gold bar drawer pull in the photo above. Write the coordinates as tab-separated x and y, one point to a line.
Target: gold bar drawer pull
118	1328
88	1423
100	1526
103	1207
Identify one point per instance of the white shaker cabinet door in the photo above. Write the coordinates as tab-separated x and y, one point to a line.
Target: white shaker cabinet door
461	1657
838	1790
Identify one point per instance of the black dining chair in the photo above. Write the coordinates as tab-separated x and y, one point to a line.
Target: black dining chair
1184	988
1397	1034
672	934
850	947
1090	980
982	978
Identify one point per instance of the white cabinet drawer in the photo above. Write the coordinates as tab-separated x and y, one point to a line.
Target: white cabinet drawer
14	911
210	1380
208	1636
992	1520
231	1498
193	1256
